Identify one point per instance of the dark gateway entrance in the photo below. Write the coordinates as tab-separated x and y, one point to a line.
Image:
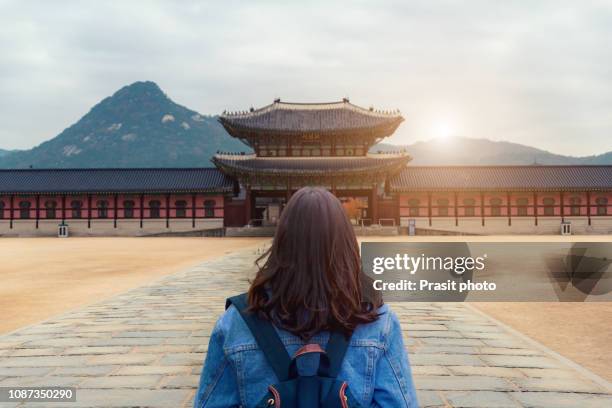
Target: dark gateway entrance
299	145
268	205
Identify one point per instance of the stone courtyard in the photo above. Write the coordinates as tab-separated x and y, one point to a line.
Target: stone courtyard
145	348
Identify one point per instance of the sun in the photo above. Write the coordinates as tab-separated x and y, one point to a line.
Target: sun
443	130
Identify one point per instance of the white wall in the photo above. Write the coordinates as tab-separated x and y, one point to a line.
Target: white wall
105	227
469	225
520	225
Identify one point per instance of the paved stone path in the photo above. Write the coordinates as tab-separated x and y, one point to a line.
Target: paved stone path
146	348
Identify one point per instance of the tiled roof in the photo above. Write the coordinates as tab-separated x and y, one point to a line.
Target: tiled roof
114	180
513	178
311	117
309	165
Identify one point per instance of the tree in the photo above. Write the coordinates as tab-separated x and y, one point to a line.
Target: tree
352	207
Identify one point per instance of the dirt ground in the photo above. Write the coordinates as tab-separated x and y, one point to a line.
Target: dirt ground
581	332
43	277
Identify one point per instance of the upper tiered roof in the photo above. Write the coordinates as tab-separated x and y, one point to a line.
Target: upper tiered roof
299	118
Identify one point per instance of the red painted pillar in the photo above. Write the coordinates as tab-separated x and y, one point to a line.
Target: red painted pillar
429	207
456	210
37	210
88	210
535	207
63	208
482	209
12	210
374	205
509	208
288	194
589	206
115	199
168	210
193	210
247	204
141	210
561	198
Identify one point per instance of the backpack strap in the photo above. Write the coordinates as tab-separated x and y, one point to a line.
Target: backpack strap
266	336
336	348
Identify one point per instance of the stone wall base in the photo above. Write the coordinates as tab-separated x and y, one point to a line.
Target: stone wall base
79	228
522	225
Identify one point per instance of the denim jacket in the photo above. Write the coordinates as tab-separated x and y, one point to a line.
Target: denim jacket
376	367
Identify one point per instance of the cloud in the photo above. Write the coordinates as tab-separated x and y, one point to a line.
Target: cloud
533	73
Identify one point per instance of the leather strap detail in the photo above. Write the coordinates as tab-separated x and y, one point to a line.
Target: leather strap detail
343	398
276	395
308	348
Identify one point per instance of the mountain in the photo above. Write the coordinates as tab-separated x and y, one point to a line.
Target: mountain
138	126
468	151
5	152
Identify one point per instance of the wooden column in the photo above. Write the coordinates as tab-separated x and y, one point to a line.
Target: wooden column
509	207
562	206
247	204
482	208
535	207
193	210
456	210
374	205
12	210
37	209
141	213
167	210
88	210
288	193
429	207
115	200
589	206
63	208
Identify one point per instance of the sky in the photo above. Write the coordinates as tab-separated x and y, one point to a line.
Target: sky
531	72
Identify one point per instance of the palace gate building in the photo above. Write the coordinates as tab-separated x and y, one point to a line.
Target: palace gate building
295	145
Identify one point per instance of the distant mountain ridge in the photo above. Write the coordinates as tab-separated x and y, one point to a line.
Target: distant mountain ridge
468	151
139	126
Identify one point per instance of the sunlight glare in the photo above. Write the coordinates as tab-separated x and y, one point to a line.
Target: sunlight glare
442	130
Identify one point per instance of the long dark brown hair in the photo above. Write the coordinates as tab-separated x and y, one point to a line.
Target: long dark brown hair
311	278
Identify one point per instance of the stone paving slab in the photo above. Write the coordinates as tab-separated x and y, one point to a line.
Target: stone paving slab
145	348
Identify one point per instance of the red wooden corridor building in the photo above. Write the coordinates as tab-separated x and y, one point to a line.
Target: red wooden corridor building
296	145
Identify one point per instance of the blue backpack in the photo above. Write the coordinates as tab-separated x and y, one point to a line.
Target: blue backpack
293	390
